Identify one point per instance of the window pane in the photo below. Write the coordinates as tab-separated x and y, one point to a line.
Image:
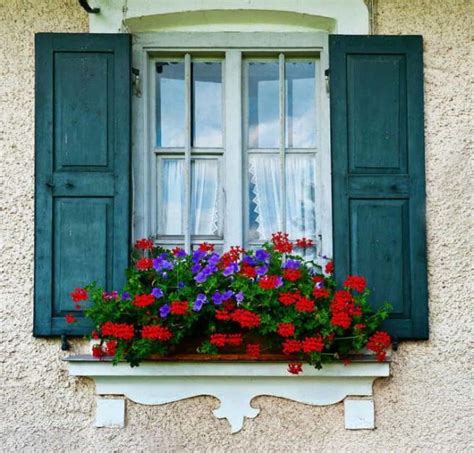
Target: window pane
263	105
204	196
300	196
170	104
264	196
207	105
300	105
171	197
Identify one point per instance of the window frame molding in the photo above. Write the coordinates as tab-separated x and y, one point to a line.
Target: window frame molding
233	45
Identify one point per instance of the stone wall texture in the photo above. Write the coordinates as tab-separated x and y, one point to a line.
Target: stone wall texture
425	406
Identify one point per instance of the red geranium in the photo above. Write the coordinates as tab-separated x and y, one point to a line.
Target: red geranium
97	351
304	304
270	282
156	332
206	247
144	264
304	243
118	330
111	347
320	293
70	318
356	283
341	319
292	274
292	346
234	339
286	329
281	242
79	294
329	269
253	350
179	307
218	339
295	368
223	315
143	300
246	318
313	344
144	244
378	342
288	298
248	271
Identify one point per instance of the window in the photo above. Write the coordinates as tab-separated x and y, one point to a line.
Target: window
237	145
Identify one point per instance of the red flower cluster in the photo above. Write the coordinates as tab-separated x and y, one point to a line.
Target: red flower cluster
206	247
97	351
286	329
246	318
143	300
343	308
269	281
329	268
177	251
144	244
222	339
295	368
304	304
281	242
356	283
313	344
118	330
70	318
155	332
378	342
289	298
111	347
304	243
292	274
232	256
223	315
79	294
144	264
179	307
360	326
320	293
253	350
248	271
292	346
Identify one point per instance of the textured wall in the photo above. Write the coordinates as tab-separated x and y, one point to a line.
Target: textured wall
424	406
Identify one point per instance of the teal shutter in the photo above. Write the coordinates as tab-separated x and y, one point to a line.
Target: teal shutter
376	89
82	182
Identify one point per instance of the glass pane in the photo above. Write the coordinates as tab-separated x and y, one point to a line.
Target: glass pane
264	197
207	105
171	197
170	104
300	196
300	105
263	105
204	196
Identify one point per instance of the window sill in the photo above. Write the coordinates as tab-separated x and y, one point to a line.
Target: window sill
161	382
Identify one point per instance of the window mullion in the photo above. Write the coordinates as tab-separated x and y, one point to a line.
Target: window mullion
187	154
281	67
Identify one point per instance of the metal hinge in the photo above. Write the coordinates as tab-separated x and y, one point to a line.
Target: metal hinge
326	78
136	82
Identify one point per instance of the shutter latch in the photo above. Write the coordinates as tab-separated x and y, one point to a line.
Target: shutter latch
326	78
136	82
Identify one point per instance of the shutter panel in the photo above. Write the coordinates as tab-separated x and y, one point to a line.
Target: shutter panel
376	89
82	182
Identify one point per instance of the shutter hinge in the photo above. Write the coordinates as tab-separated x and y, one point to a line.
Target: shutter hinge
327	73
136	82
394	343
65	346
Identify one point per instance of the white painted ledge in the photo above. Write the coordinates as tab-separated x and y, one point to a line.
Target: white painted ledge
235	384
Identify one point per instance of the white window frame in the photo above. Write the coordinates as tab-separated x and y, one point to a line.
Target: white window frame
233	45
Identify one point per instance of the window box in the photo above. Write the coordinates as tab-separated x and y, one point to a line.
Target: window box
174	379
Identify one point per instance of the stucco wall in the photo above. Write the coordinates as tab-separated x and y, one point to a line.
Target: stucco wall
424	406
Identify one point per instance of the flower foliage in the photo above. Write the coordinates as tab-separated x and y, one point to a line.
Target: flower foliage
243	301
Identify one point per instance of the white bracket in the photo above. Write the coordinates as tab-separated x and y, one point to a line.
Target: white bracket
235	384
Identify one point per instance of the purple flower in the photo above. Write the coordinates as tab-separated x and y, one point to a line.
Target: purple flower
217	298
181	285
262	270
239	297
291	264
262	255
213	259
279	282
157	292
161	264
198	256
249	260
199	302
179	252
126	296
230	269
227	294
195	268
165	310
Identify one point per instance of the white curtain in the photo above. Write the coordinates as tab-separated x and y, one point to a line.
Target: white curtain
204	197
265	177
